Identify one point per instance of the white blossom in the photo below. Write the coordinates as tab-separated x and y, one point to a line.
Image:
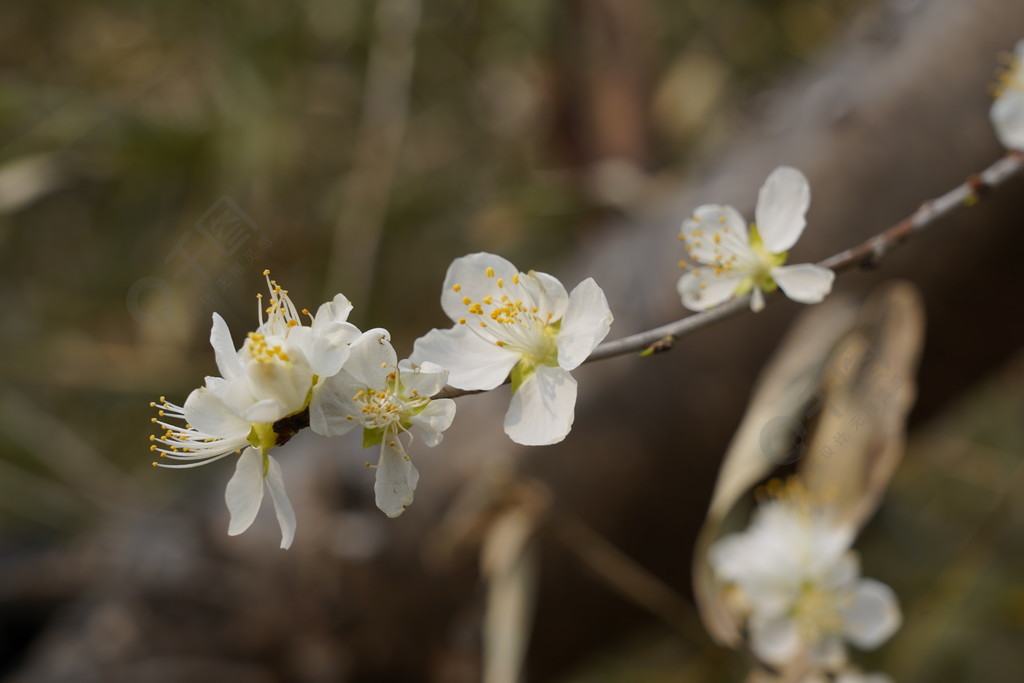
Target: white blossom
734	261
387	399
1007	112
278	372
800	586
523	324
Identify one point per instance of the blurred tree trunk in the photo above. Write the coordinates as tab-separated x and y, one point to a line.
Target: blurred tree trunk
896	114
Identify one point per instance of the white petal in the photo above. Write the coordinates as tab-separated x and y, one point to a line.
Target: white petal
781	206
1007	115
332	405
328	347
245	491
756	300
775	641
709	220
806	283
209	414
425	379
716	289
547	293
334	311
472	362
372	358
543	408
586	322
265	411
469	273
872	615
829	653
282	506
287	383
428	424
396	479
224	352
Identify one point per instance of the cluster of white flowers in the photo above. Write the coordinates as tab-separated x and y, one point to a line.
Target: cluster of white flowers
1007	112
332	377
796	581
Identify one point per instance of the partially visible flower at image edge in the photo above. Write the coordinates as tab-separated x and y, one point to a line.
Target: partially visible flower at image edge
388	400
798	584
277	372
734	261
1007	112
523	325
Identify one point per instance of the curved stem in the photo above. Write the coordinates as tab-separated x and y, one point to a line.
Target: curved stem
870	252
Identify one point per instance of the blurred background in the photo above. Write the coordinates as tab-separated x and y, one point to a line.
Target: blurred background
156	157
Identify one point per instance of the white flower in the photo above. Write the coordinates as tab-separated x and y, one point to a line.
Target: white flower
278	372
279	368
1007	112
735	262
519	323
799	582
212	431
386	399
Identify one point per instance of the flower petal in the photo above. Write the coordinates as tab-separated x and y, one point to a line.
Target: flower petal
1007	116
709	220
472	362
209	414
328	347
265	411
334	311
756	300
469	274
244	493
282	506
586	322
775	641
781	206
332	405
828	652
701	289
424	379
806	282
543	408
432	420
396	479
372	358
228	363
547	293
872	615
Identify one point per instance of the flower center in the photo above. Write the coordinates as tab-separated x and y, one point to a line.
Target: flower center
1012	79
265	351
816	613
510	319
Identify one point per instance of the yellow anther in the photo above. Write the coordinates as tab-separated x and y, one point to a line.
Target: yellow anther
293	323
155	465
462	321
500	343
717	238
383	365
488	299
515	279
490	271
457	287
501	282
466	300
483	324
